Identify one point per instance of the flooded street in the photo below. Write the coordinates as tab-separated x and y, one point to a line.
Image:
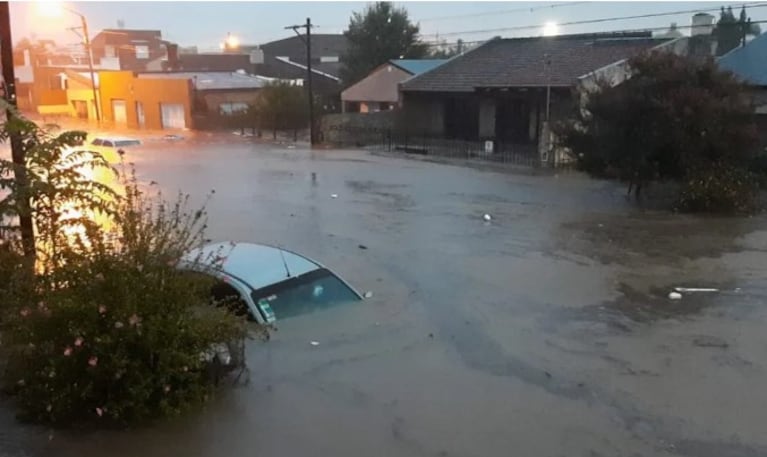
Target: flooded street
545	332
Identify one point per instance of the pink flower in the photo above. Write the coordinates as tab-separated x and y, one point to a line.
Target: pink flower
134	320
78	342
41	306
185	369
93	361
100	412
67	351
49	408
119	324
102	309
100	276
24	312
166	389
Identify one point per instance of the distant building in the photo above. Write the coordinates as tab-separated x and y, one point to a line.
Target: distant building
128	49
749	64
672	32
379	90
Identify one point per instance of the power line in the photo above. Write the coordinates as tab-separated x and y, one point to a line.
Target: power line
495	13
606	33
591	21
485	13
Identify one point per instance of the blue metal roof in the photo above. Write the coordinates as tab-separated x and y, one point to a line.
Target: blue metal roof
749	62
418	66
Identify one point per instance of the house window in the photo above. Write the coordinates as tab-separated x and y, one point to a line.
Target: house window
328	59
142	51
228	109
109	51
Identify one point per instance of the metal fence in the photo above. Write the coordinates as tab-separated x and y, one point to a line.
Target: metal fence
392	140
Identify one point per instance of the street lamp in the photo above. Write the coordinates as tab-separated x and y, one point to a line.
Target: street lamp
231	42
54	9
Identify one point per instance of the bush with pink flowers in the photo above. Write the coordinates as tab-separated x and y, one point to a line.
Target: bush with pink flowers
107	330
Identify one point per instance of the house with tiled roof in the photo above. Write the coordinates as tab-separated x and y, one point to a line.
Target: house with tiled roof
749	64
379	90
286	59
505	90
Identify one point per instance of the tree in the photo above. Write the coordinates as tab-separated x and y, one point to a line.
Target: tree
673	117
383	32
283	106
446	51
731	32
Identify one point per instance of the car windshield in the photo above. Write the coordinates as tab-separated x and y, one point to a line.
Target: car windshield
318	289
124	143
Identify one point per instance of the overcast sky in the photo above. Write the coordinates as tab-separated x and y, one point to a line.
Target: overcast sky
206	24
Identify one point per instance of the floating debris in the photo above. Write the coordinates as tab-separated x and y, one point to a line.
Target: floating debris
314	343
368	294
675	296
488	218
694	289
333	195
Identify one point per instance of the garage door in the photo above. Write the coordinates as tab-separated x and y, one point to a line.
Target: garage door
172	116
119	112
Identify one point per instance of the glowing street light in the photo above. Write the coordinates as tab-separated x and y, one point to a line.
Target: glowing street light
551	28
54	9
232	42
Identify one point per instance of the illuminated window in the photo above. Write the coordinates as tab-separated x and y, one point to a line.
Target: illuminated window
142	52
232	108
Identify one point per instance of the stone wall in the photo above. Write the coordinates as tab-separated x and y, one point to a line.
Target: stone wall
356	128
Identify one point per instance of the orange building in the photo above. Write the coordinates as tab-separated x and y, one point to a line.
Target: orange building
145	102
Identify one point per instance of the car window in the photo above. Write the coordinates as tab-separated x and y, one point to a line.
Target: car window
303	294
108	143
124	143
224	294
97	142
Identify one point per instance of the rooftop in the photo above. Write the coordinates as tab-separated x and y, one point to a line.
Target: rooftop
417	66
749	63
521	62
210	80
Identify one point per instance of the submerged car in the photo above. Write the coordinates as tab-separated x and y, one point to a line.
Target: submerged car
265	283
112	148
268	283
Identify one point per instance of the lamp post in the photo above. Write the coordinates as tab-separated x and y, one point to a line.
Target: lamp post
52	9
89	52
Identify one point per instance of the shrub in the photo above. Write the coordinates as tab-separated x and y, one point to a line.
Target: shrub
719	188
106	329
673	114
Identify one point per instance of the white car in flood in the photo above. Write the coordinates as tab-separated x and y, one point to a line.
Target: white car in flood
269	283
266	283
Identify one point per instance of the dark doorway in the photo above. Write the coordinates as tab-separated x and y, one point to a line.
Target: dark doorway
462	118
512	120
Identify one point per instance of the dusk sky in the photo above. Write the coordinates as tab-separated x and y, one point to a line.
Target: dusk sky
206	24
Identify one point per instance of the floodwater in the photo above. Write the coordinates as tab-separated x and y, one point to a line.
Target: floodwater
545	332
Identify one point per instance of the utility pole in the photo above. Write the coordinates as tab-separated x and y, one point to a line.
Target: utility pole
308	42
17	148
89	51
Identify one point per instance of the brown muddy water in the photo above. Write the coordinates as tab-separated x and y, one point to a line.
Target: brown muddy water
546	332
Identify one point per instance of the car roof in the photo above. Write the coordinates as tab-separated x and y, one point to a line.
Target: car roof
114	138
257	265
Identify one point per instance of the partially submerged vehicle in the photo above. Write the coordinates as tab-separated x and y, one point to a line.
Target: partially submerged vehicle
266	283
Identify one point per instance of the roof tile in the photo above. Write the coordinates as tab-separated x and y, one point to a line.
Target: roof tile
520	62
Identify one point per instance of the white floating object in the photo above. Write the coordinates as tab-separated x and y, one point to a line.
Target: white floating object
315	343
368	294
675	296
487	217
695	289
333	195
